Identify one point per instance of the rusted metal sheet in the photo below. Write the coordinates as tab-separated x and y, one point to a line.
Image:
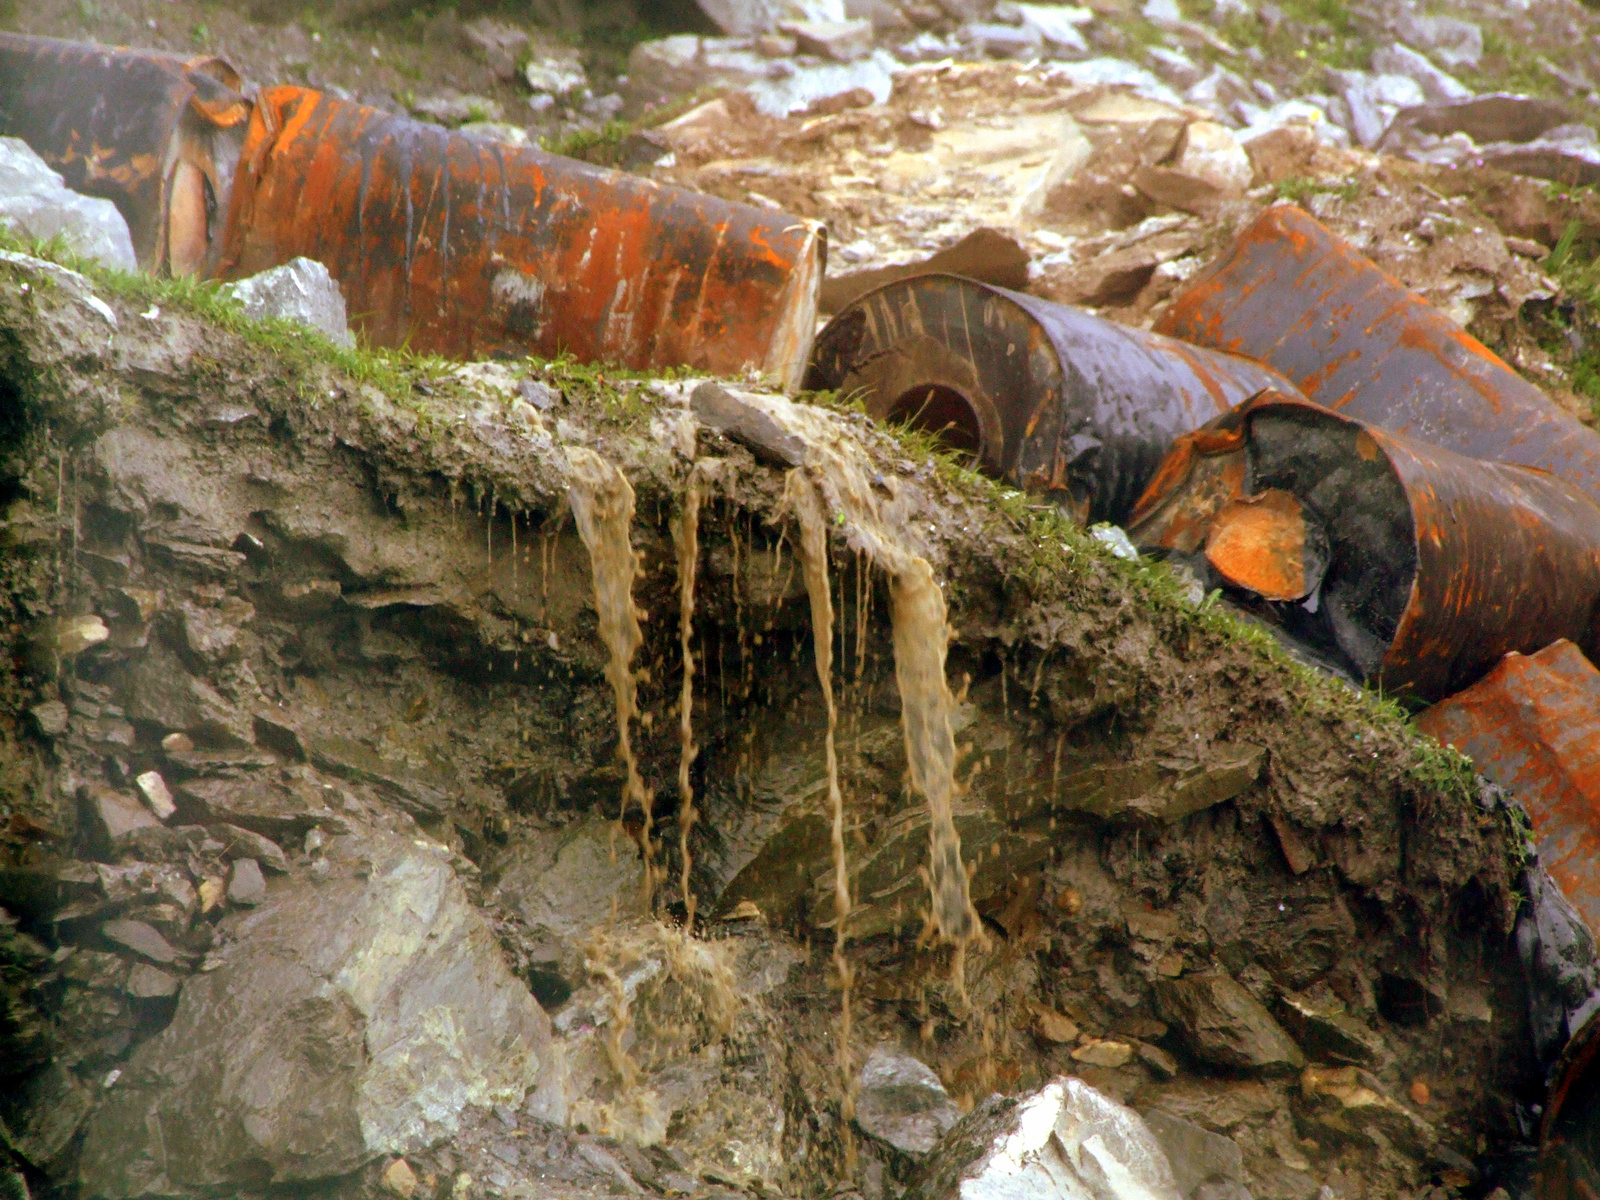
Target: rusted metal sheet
1052	398
156	134
1430	566
468	248
1532	725
1292	295
1569	1133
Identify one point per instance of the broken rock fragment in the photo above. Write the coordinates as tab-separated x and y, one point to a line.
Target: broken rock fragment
36	203
1066	1139
301	290
343	1021
900	1101
1225	1025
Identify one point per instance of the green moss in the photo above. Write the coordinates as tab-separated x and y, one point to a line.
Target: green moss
1300	189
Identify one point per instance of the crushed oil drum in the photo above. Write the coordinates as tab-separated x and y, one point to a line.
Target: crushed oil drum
1054	399
1532	725
156	134
1569	1131
1434	565
1289	293
457	246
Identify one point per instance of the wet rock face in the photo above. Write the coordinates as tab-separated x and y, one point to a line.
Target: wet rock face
349	1018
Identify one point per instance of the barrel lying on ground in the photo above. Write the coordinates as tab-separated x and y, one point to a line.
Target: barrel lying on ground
440	242
462	247
1289	293
1416	567
1532	725
1052	398
157	134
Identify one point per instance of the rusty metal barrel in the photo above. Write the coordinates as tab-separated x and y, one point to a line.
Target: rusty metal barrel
1054	399
1532	725
156	134
1289	293
469	248
1569	1130
1426	566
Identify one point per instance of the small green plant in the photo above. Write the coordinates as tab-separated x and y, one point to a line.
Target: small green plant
1300	189
200	35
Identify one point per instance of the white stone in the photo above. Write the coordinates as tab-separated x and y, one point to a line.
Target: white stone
300	290
1162	12
1374	100
555	76
1450	40
36	203
746	18
1066	1142
1212	152
1439	87
1057	25
154	790
1114	72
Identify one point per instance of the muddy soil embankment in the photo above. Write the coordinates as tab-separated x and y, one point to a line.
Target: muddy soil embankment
345	621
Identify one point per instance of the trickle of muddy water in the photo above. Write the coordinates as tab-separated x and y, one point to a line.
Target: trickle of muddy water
921	638
808	510
686	538
602	507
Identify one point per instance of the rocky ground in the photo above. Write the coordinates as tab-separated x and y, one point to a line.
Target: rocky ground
313	882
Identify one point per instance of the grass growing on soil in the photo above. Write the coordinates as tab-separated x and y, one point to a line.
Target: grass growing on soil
1576	332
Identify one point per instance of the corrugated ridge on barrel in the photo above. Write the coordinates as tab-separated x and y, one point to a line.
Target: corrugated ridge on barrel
464	247
1292	295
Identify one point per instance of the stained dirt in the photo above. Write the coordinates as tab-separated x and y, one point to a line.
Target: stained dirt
374	589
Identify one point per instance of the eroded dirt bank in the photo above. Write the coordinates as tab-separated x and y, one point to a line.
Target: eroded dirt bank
350	628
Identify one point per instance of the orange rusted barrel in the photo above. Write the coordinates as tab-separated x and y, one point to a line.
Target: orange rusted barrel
468	248
1289	293
1057	400
1532	725
1425	567
1569	1130
156	134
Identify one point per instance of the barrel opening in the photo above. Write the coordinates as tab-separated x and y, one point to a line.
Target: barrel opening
941	411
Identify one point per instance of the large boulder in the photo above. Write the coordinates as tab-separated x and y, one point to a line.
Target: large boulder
344	1020
36	203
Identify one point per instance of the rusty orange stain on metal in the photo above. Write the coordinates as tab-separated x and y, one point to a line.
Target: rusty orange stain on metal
462	247
1259	542
1532	725
1292	295
1488	557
